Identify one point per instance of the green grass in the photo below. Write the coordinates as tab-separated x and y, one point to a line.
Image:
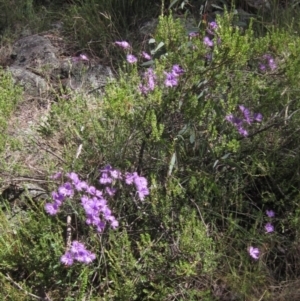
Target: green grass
10	95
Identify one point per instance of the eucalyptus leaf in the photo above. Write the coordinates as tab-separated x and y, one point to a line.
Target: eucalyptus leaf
172	163
160	45
147	64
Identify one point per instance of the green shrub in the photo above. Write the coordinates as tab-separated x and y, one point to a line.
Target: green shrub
211	184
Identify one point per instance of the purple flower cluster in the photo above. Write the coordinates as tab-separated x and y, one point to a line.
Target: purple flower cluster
269	227
132	59
110	175
140	183
255	252
149	76
247	117
172	77
77	252
211	30
150	81
92	201
268	63
95	206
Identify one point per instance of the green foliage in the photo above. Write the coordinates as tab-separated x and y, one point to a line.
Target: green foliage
210	186
17	15
9	97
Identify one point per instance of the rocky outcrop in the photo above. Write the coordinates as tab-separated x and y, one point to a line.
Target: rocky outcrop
38	65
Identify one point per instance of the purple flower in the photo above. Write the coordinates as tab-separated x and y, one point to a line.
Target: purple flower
106	213
270	213
123	44
129	177
257	117
269	61
76	246
92	219
116	174
110	191
78	252
83	57
246	113
105	179
208	42
67	258
177	70
66	190
73	176
242	131
91	190
108	174
57	198
80	185
131	58
262	67
193	34
254	252
140	184
213	25
272	64
114	223
171	80
150	78
142	193
51	208
146	56
269	227
56	175
85	256
238	124
100	226
84	200
234	120
92	206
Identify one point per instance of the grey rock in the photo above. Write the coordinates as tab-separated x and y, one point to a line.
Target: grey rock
37	65
32	83
35	51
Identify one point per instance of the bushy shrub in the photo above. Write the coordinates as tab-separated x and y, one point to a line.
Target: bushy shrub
211	120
